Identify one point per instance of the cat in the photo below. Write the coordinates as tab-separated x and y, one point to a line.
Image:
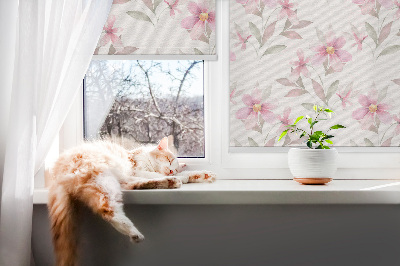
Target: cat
94	174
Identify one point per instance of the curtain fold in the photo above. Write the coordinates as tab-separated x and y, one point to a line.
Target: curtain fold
55	43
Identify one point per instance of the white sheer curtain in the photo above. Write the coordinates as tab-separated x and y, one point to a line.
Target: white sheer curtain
55	41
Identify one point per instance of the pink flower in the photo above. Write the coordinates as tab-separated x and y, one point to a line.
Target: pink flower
285	119
287	11
255	109
370	109
397	119
110	34
242	40
201	15
251	6
232	56
344	98
397	5
332	50
358	38
173	7
368	6
299	66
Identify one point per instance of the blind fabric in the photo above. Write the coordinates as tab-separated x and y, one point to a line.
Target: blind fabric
287	55
157	27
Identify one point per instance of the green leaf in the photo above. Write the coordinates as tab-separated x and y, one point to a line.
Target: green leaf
368	142
337	126
390	50
298	119
328	110
332	90
382	93
309	144
283	134
275	49
139	15
255	32
329	141
252	143
309	120
371	32
320	35
197	51
313	123
308	106
156	3
287	24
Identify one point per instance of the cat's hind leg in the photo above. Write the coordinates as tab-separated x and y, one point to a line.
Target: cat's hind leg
164	182
103	195
197	177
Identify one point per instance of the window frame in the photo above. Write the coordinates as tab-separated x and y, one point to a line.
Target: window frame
246	163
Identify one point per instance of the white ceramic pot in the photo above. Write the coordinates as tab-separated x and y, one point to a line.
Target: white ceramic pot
310	166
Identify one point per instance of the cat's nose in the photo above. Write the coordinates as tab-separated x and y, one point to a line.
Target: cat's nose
171	172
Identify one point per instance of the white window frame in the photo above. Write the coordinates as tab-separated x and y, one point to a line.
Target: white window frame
247	163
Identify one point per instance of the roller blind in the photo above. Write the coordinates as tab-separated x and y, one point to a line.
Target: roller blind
176	29
287	55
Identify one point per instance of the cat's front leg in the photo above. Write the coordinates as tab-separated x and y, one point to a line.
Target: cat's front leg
197	177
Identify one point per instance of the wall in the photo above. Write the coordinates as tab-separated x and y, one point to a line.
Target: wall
237	235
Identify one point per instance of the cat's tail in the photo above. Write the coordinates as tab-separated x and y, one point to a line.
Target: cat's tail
62	212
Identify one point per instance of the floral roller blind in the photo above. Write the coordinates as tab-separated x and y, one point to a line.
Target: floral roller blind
160	27
287	55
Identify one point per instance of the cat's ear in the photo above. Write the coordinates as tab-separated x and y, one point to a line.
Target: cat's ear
163	145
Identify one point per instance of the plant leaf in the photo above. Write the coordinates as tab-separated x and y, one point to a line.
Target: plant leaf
197	51
387	142
255	32
332	89
291	35
283	134
382	93
287	24
139	15
275	49
252	143
319	91
156	4
337	126
390	50
320	35
111	50
329	141
295	93
268	32
237	143
397	81
301	24
308	106
371	32
368	142
298	119
309	144
300	82
385	32
286	82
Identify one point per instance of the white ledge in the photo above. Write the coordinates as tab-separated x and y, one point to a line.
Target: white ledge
264	192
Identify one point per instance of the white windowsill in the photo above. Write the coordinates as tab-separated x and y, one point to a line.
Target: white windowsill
264	192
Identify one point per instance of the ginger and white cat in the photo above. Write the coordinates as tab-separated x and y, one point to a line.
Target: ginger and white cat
95	173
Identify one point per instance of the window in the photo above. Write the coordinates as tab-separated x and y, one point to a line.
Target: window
142	101
214	143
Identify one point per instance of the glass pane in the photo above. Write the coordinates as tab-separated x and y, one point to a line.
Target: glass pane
140	102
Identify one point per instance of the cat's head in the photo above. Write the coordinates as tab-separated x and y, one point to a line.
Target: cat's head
164	160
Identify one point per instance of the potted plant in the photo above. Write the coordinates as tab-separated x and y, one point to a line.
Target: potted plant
317	163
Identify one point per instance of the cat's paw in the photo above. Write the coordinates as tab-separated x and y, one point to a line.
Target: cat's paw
210	177
137	237
174	182
182	167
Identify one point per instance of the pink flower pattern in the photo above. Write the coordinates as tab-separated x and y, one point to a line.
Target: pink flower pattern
287	11
370	109
173	7
300	66
201	16
255	110
331	50
323	85
110	34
